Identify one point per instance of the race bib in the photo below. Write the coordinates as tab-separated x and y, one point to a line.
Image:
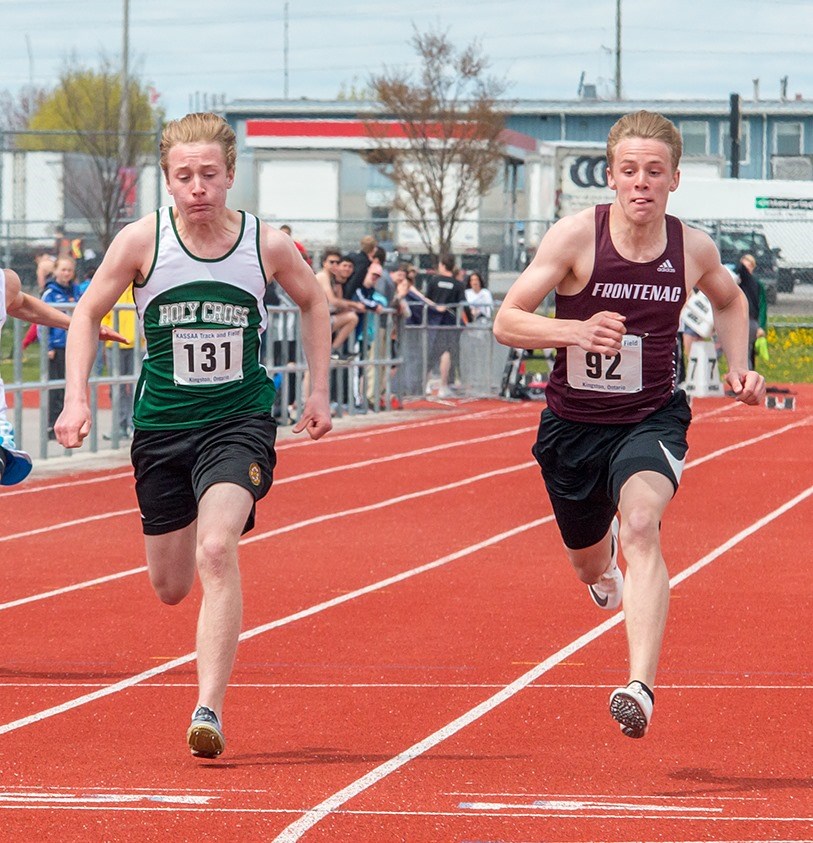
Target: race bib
616	373
203	357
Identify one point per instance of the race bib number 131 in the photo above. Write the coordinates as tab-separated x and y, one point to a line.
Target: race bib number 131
615	373
201	357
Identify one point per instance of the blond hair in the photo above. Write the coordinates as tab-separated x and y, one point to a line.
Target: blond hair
203	127
648	125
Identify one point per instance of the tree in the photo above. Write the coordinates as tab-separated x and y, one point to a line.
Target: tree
81	117
16	111
441	144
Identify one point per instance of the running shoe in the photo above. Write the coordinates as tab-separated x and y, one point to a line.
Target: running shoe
205	736
631	707
609	589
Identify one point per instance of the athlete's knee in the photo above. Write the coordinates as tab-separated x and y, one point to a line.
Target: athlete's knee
170	589
640	528
216	556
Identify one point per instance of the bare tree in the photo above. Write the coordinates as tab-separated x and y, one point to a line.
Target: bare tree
17	110
102	165
444	150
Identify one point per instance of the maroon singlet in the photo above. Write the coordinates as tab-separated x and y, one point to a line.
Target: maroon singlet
616	390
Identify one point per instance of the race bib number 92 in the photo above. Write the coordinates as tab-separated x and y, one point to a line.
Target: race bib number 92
610	373
203	357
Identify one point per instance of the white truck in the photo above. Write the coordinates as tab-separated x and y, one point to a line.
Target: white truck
771	216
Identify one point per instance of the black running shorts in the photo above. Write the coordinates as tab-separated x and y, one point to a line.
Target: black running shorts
585	465
173	468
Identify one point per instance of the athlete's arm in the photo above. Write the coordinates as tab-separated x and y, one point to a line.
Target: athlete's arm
564	261
730	312
27	308
282	261
124	260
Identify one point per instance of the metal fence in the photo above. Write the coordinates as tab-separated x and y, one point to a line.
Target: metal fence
390	362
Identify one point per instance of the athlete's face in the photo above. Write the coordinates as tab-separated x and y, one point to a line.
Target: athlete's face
642	177
197	179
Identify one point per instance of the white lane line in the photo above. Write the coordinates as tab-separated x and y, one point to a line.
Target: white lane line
288	528
407	686
418	452
29	488
336	801
251	633
746	442
64	525
293	479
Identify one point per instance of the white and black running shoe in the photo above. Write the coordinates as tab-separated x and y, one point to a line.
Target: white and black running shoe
631	707
608	591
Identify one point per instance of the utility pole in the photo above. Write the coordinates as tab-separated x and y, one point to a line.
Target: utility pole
124	105
618	49
734	129
285	52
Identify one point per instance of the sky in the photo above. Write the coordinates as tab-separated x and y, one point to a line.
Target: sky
194	53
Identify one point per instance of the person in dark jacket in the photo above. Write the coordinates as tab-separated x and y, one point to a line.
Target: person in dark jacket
61	289
757	304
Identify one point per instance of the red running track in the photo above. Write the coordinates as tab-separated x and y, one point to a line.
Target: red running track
418	663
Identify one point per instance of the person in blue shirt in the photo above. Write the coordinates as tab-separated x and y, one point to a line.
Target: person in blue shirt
61	289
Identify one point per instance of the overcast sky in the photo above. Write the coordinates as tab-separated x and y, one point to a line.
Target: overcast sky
187	48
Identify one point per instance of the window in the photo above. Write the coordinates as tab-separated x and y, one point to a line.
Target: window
695	135
788	139
745	141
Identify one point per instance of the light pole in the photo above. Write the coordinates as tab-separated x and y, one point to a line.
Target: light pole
618	49
124	104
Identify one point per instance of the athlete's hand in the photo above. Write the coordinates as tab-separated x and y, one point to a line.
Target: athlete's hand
73	425
106	333
315	416
602	332
747	386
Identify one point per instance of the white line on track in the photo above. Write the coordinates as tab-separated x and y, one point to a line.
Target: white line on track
288	528
293	479
336	801
251	633
441	686
281	446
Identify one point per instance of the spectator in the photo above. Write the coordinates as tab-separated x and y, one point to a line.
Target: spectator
87	277
479	298
361	263
343	318
366	332
286	229
124	321
757	304
61	289
385	284
15	465
444	336
45	272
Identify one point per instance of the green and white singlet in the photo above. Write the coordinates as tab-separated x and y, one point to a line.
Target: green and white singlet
202	319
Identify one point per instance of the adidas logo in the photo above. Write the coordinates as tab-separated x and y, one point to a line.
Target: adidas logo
666	266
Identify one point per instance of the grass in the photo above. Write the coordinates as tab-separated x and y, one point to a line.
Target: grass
790	348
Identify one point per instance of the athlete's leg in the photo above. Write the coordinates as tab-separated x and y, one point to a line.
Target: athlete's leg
591	562
171	563
222	514
344	324
644	497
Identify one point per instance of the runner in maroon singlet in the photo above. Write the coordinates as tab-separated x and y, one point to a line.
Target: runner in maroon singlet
612	440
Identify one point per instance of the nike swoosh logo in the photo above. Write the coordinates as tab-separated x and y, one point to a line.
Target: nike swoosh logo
675	464
602	601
